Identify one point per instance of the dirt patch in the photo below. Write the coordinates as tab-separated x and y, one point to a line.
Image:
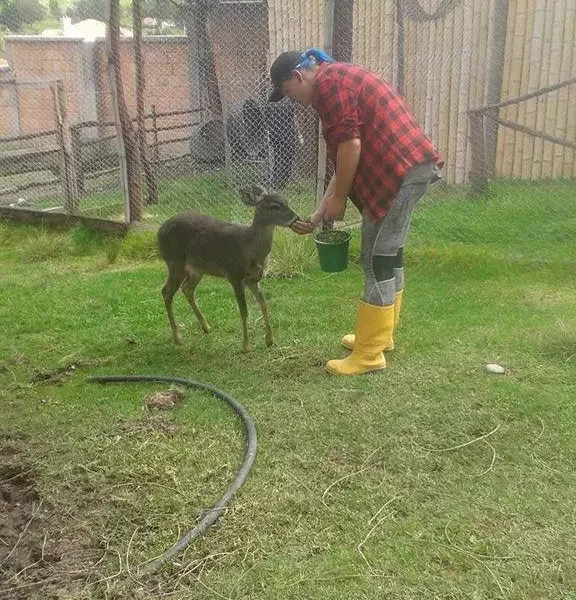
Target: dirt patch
55	376
38	559
22	511
163	400
151	424
155	420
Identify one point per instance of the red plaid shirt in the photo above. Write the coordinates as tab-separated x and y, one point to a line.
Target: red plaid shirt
355	103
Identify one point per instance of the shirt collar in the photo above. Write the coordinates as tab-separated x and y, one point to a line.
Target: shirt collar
315	97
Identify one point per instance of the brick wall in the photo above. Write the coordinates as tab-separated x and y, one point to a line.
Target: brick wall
36	63
82	68
166	76
8	104
239	52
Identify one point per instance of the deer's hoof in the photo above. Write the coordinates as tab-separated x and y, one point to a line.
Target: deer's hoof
269	342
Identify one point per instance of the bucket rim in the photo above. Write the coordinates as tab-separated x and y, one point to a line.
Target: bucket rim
343	241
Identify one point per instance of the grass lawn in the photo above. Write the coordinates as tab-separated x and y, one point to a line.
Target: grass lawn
209	192
433	480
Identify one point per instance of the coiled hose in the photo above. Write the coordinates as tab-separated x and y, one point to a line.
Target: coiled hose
214	513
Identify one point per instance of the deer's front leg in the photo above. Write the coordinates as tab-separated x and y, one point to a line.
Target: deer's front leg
241	300
255	289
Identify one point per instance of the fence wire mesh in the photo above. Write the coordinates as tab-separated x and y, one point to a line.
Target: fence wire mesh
210	131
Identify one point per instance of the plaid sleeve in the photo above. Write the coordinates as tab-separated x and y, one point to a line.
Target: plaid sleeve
339	112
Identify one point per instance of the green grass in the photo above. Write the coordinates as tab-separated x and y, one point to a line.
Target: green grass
368	487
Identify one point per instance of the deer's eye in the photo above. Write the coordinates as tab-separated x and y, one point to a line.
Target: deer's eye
275	206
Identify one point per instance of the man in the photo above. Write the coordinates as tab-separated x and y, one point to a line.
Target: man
384	163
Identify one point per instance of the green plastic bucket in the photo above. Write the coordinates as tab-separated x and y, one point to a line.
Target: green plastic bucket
332	246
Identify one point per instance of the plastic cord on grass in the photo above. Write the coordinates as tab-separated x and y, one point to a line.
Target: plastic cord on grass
214	513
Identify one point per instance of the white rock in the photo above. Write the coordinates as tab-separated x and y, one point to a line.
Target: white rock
494	368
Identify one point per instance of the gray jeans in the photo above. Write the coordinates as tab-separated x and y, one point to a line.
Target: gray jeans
382	242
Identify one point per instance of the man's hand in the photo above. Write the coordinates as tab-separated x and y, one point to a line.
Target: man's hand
308	226
302	227
333	203
334	207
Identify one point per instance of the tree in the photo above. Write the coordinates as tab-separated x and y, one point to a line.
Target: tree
163	10
88	9
54	9
200	56
97	9
149	177
130	161
14	14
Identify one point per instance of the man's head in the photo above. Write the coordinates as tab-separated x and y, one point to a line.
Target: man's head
292	75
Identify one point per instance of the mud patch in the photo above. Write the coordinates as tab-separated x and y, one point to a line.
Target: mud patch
37	557
59	375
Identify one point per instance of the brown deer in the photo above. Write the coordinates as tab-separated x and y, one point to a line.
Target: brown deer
193	245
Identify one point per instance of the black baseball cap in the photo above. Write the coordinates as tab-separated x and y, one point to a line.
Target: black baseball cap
281	70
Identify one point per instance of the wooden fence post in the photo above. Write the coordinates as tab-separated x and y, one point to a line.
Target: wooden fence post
479	169
322	151
156	150
495	68
400	37
67	171
75	133
149	178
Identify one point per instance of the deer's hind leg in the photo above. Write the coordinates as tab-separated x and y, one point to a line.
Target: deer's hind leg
188	288
176	275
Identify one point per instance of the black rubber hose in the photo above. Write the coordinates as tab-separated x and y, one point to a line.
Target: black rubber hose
214	513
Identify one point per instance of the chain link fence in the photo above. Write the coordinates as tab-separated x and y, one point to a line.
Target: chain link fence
196	102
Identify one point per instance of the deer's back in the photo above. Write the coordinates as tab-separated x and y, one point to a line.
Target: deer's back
208	245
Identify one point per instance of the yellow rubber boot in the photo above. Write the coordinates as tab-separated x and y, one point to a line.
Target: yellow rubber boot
374	326
348	340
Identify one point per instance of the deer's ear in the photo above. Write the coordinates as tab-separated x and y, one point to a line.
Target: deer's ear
246	197
253	195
